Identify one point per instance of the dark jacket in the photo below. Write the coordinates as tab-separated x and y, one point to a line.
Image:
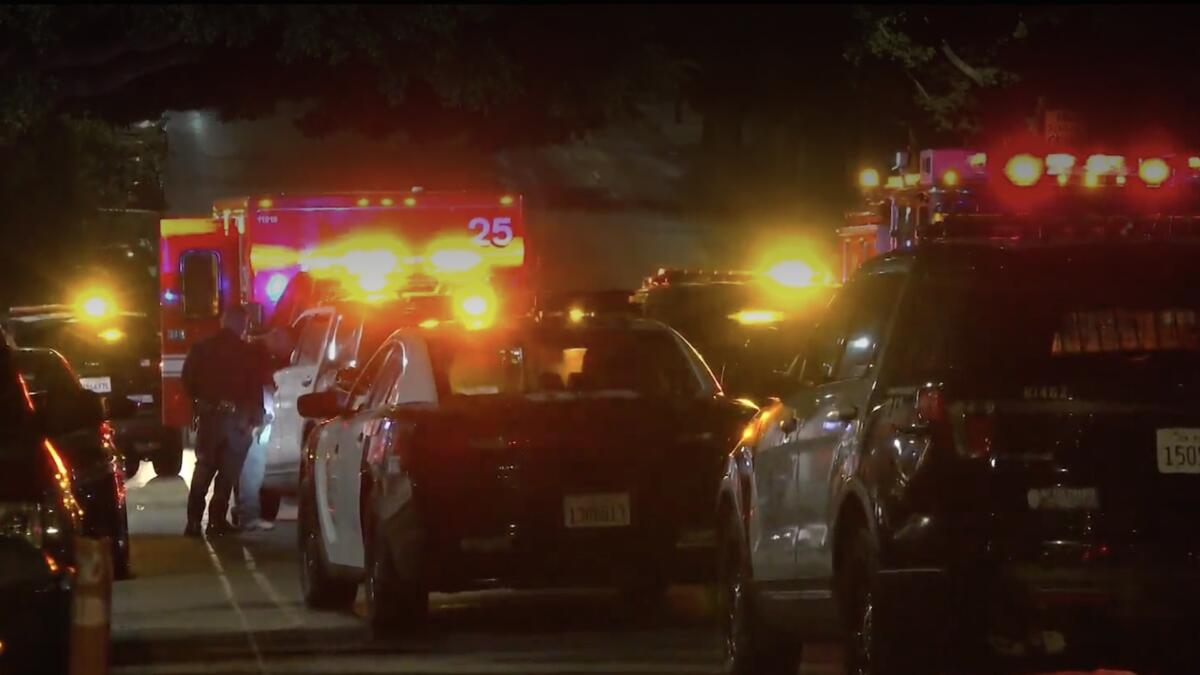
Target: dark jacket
224	367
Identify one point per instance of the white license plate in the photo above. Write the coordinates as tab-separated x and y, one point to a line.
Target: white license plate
1063	499
1179	450
100	385
597	510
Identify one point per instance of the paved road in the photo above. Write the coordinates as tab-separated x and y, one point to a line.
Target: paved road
233	606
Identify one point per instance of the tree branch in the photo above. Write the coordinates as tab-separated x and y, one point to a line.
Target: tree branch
920	88
962	66
119	77
99	55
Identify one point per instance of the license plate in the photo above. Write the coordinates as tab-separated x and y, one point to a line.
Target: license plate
100	385
599	510
1179	450
1063	499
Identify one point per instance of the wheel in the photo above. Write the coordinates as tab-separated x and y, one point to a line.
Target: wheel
268	504
872	647
320	589
169	459
749	648
393	605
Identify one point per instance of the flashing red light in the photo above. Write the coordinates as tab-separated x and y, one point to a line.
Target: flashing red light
1024	170
1154	171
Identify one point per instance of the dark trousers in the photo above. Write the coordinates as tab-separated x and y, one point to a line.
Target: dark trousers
222	439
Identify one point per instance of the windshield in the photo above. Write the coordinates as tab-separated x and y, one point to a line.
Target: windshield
126	338
45	372
631	362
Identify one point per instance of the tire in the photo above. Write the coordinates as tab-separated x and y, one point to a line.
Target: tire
319	588
872	648
268	504
169	460
394	606
749	647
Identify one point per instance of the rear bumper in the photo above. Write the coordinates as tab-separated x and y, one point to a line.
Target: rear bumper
578	559
144	435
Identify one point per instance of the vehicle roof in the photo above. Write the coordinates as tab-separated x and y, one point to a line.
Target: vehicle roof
318	200
966	253
450	329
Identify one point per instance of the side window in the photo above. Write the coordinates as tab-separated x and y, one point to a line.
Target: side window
312	341
345	340
296	331
821	352
385	381
873	304
200	281
362	388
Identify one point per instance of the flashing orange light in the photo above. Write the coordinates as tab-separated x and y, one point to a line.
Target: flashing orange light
174	227
911	179
868	178
1120	180
410	201
455	260
270	256
895	182
977	160
111	335
1024	170
387	201
476	307
363	201
429	323
1194	162
95	304
1091	180
757	317
792	273
950	178
1059	163
1154	171
507	200
576	315
265	203
1103	165
1062	179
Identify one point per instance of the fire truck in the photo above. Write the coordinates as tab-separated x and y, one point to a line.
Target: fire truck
957	191
280	254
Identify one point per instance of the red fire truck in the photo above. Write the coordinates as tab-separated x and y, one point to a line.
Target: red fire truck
1017	177
275	254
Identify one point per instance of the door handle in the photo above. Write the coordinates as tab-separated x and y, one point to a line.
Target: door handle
337	449
361	436
843	413
307	382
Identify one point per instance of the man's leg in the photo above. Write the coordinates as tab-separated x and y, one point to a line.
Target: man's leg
235	438
250	484
202	476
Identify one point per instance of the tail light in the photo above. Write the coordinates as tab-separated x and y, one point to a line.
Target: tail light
974	429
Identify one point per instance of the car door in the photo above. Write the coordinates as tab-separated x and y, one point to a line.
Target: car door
293	381
775	530
368	404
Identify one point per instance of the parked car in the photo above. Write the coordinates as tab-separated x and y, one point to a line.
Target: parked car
984	444
39	519
78	426
328	339
532	454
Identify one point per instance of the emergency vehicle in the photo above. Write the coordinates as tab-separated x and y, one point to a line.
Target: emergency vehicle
989	449
1020	176
746	325
280	254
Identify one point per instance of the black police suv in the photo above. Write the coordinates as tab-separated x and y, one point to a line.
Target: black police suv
990	450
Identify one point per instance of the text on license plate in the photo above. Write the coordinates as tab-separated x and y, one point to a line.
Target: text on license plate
597	510
99	385
1178	450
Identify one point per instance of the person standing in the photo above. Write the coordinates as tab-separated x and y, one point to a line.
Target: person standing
223	375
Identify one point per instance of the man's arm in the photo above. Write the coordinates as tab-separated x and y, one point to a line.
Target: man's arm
188	376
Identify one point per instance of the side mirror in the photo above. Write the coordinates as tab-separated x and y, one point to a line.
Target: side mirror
319	405
345	378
